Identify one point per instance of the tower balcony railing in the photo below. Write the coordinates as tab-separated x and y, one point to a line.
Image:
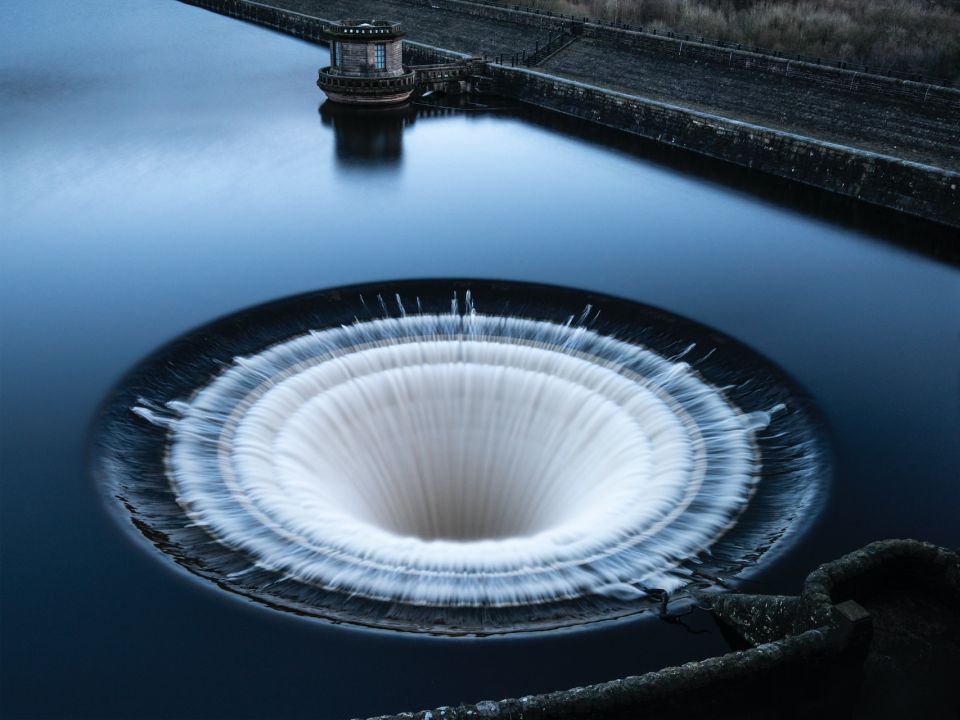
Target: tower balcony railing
366	85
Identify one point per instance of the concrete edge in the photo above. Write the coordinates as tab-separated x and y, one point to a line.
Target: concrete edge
838	630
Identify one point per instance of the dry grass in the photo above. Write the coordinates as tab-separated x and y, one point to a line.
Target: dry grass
907	35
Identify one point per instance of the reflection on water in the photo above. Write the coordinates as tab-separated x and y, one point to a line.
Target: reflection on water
163	166
368	137
372	138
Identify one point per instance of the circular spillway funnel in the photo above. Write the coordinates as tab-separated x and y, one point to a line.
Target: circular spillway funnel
398	457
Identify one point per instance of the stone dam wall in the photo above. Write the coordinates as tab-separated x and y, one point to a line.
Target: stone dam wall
543	24
305	27
909	187
698	48
310	28
730	55
915	188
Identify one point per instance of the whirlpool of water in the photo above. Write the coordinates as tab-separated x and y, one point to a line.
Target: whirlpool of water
390	457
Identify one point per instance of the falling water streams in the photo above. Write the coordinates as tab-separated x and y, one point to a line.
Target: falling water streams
470	473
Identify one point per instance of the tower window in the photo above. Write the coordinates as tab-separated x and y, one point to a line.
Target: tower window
380	56
336	54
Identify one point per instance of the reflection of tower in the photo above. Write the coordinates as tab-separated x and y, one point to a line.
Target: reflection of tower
366	136
366	64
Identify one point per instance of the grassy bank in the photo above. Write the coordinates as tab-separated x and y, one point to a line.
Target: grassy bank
907	35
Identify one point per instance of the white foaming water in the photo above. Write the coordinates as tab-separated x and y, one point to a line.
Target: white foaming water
463	461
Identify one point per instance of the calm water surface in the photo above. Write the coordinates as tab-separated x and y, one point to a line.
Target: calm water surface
162	166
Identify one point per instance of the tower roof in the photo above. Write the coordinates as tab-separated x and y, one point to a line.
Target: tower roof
365	30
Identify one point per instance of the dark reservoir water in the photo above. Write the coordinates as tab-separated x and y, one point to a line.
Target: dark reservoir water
162	166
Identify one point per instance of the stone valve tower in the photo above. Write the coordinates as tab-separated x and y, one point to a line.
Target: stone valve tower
366	64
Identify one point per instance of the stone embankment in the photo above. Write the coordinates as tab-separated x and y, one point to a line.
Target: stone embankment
874	634
883	117
885	141
907	186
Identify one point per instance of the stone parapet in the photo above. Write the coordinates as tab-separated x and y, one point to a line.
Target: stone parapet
786	670
731	56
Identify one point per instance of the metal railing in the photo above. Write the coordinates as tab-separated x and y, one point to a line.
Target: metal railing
555	42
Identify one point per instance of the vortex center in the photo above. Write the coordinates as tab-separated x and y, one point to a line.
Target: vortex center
461	451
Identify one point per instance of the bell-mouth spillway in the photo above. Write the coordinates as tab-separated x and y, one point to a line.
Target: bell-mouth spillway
462	457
